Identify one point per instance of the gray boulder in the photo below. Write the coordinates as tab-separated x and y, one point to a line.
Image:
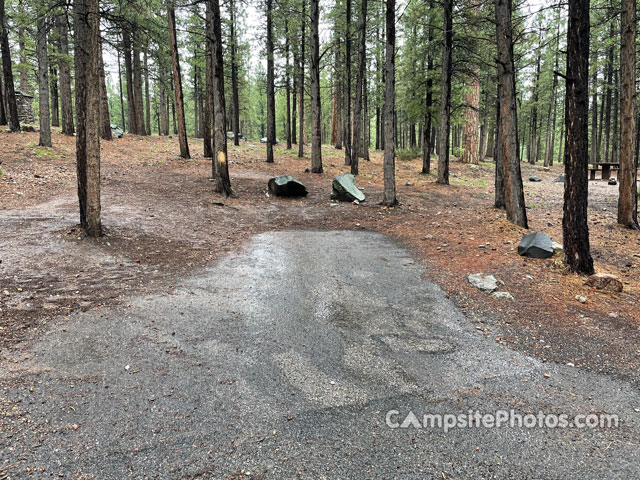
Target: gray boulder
536	245
560	179
345	189
287	186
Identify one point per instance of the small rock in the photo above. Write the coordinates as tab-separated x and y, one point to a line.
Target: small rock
533	178
560	179
486	283
408	184
613	314
581	298
500	295
557	247
604	281
612	181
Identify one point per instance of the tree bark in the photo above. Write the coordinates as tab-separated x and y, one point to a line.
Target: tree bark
575	229
301	83
389	167
43	82
147	94
7	71
87	52
124	126
177	85
208	104
357	107
316	111
271	98
336	105
66	105
55	99
348	154
234	75
508	126
220	163
105	120
137	84
594	112
445	102
628	196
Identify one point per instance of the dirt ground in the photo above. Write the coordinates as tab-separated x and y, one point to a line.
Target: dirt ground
162	221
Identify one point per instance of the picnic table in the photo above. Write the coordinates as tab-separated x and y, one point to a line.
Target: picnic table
606	169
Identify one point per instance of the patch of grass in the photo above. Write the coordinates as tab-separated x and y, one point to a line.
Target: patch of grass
408	154
43	152
1	172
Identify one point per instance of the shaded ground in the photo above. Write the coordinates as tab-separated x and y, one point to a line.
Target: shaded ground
282	361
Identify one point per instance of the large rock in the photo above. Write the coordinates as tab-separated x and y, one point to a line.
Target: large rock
287	186
533	178
345	189
612	181
604	281
536	245
560	179
486	283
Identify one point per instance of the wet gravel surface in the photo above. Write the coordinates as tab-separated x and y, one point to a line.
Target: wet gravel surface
283	361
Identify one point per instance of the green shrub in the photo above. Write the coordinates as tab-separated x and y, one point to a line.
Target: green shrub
458	152
408	153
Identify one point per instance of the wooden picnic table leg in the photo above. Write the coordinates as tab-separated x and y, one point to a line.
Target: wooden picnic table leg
606	172
592	175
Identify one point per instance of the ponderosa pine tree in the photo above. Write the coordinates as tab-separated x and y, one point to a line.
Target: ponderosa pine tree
43	78
389	167
177	83
220	159
445	101
508	126
628	195
575	229
7	71
316	107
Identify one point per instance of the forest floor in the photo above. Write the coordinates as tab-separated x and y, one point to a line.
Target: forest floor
162	221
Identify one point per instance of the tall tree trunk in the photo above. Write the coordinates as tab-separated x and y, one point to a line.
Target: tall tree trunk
220	161
7	71
271	97
336	105
348	154
615	138
548	150
105	120
53	81
128	70
427	146
208	104
445	103
628	198
357	107
3	112
301	83
485	121
87	66
508	123
137	84
147	93
594	112
607	96
575	229
287	86
124	126
234	75
316	111
66	105
533	151
389	167
177	85
499	199
43	82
